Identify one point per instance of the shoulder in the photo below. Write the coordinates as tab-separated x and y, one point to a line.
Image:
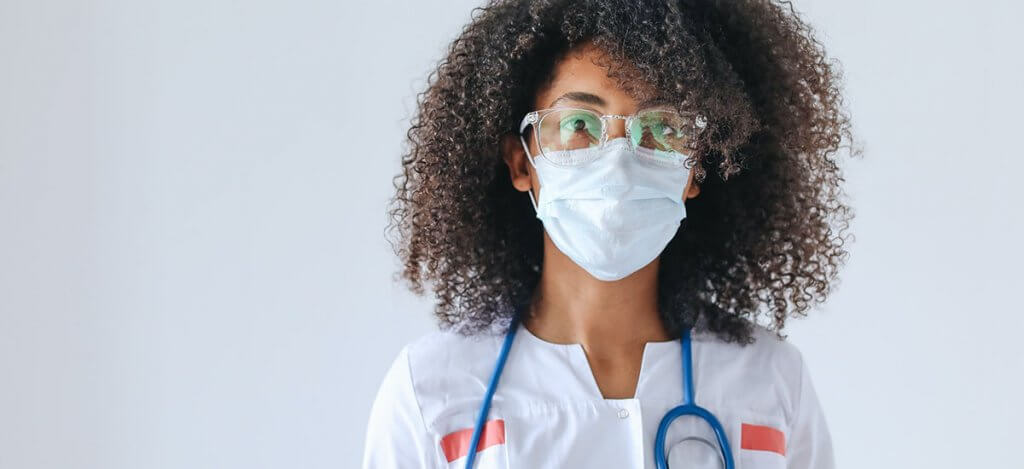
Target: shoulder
779	393
765	350
445	367
777	350
440	352
441	343
397	433
765	375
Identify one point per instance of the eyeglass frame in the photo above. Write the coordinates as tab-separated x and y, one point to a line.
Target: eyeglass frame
534	118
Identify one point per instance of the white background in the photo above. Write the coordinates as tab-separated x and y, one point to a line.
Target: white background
193	272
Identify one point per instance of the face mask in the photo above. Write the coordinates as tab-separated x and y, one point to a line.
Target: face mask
613	214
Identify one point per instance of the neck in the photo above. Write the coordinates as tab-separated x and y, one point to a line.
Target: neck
571	306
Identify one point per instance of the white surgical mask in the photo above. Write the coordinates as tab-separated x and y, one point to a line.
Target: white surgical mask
613	214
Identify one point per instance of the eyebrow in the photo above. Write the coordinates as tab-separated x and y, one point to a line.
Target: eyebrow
580	97
654	102
596	100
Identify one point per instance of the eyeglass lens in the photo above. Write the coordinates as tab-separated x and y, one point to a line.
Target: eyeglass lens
661	135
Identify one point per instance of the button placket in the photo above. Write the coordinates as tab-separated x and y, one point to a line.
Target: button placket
634	409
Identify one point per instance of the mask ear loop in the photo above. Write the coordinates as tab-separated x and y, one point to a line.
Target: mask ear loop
528	120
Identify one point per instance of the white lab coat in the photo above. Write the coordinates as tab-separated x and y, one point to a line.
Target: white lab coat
549	413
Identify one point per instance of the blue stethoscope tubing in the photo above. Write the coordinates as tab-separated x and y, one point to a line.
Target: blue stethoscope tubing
688	407
486	406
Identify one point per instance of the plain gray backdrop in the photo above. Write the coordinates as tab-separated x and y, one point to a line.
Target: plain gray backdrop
193	271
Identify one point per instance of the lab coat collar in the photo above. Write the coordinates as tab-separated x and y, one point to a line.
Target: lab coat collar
660	358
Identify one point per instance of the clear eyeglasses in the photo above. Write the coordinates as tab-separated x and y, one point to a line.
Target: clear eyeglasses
571	136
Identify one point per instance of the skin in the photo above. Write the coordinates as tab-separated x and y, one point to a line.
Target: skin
611	320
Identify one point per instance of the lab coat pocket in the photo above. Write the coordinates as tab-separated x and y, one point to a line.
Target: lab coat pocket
491	450
760	441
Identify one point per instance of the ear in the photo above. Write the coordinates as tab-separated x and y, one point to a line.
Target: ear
692	188
519	167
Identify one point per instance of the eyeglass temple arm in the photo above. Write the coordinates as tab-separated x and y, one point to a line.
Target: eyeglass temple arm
528	119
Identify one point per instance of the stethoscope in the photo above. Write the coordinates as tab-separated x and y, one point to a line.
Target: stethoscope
688	407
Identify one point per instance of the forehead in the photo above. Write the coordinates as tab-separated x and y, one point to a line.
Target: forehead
588	69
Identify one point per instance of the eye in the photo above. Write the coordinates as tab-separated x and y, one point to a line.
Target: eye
570	129
577	121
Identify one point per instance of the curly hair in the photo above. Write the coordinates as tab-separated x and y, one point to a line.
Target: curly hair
762	242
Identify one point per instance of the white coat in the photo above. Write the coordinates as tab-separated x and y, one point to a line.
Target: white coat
548	412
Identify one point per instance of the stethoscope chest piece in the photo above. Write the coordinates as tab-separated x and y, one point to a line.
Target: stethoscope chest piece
695	452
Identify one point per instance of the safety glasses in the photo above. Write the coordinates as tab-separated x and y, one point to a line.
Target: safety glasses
572	136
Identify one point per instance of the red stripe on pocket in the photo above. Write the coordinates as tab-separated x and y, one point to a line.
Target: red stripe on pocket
762	438
456	444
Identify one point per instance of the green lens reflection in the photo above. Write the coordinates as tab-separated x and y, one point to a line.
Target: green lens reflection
665	134
570	129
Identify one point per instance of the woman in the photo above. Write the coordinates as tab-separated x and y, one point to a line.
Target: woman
618	206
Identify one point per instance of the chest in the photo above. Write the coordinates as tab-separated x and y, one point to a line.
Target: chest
549	411
618	433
